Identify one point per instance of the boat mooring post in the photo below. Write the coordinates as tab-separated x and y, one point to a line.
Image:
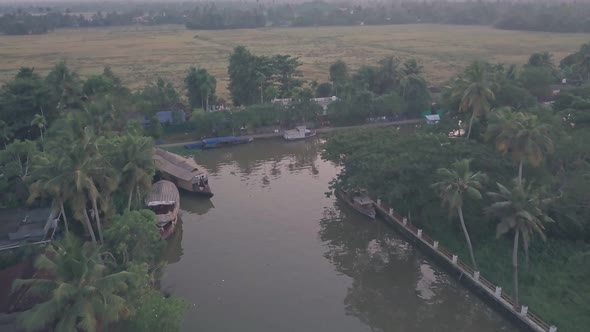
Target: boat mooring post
498	292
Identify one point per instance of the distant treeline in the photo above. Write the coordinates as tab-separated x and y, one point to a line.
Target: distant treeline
550	17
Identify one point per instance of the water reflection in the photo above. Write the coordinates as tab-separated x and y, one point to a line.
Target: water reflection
196	204
393	287
267	156
173	251
270	252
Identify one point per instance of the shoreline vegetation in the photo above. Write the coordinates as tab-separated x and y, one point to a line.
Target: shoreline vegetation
506	15
139	54
83	147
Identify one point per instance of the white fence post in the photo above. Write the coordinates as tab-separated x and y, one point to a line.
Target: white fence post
476	275
524	310
455	259
435	245
419	233
552	328
498	292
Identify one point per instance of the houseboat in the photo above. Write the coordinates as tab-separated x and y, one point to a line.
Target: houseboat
358	200
185	173
164	200
298	133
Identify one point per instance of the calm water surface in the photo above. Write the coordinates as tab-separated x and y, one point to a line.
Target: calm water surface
270	252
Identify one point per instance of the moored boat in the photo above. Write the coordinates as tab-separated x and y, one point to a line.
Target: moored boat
218	142
164	200
185	173
300	132
358	200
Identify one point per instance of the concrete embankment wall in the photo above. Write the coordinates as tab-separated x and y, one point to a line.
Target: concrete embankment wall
492	294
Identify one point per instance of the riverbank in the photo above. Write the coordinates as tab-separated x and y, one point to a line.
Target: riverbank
319	130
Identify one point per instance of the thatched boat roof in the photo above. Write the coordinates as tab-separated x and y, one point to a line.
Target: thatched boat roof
163	192
180	167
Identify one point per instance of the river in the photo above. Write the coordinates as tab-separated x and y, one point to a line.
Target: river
271	252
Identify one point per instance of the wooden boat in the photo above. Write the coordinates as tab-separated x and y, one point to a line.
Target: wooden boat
298	133
218	142
358	200
185	173
164	200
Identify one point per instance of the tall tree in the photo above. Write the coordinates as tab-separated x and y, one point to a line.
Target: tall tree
79	292
521	135
242	72
520	210
200	87
40	122
338	74
475	92
132	155
456	183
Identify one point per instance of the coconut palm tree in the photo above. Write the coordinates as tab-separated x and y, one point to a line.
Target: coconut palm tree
40	122
475	92
132	155
520	210
521	135
456	183
78	290
50	183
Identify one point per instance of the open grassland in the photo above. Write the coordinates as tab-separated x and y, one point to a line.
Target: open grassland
139	54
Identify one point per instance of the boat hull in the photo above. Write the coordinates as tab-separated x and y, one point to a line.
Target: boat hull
346	197
312	134
192	188
164	200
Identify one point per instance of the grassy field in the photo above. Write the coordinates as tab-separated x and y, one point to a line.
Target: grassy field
138	54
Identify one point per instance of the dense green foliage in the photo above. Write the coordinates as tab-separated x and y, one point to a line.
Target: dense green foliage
73	149
535	202
517	15
79	292
254	79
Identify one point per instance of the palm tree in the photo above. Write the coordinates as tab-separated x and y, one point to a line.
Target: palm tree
583	62
520	210
132	155
40	122
79	291
522	136
455	183
475	92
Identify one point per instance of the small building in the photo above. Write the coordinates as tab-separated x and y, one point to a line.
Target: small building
22	227
169	114
432	118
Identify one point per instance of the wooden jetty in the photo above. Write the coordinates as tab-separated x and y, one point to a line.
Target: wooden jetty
185	173
493	294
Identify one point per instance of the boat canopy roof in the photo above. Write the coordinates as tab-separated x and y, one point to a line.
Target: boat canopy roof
163	192
363	200
180	167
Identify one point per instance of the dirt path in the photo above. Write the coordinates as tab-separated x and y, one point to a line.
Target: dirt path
319	130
